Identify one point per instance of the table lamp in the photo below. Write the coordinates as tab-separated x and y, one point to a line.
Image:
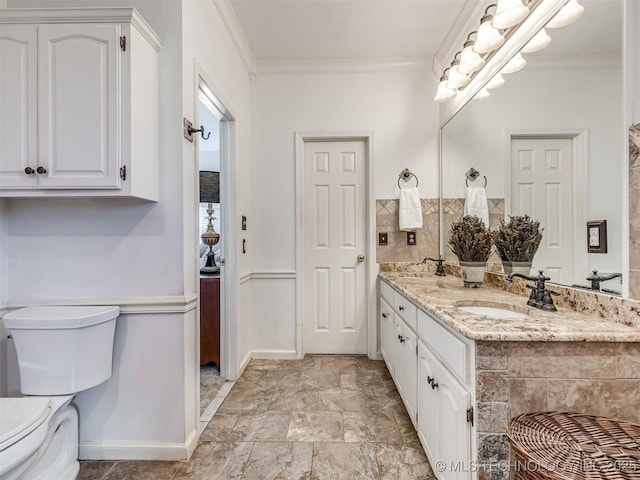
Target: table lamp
210	193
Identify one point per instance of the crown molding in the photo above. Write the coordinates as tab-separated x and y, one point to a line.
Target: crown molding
231	22
348	65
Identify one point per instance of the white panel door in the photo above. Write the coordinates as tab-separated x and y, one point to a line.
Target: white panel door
18	106
334	226
79	71
542	187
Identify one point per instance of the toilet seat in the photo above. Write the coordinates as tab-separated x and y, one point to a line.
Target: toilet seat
20	416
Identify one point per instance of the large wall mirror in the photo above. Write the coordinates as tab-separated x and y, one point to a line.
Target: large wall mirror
550	143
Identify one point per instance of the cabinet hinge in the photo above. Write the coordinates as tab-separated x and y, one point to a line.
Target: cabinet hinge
470	415
416	350
123	172
123	43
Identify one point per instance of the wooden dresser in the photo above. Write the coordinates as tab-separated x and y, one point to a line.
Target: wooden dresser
210	318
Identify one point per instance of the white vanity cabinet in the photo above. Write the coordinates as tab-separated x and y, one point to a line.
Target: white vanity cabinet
79	95
398	344
434	370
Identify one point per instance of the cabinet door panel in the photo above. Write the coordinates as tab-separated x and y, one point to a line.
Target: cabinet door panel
428	405
79	116
387	330
406	367
455	431
18	105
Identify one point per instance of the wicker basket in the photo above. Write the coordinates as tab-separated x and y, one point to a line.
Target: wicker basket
571	446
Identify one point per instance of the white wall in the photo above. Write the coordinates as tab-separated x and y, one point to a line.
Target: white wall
397	108
547	100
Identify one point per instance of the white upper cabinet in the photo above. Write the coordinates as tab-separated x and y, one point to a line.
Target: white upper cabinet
78	104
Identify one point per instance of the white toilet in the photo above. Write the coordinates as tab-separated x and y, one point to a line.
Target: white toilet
61	351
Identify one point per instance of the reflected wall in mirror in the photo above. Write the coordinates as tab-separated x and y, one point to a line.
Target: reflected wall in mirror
551	145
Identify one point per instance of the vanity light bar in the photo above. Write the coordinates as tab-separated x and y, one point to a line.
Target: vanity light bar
492	33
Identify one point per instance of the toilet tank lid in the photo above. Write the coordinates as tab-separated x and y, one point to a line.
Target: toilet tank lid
54	317
20	416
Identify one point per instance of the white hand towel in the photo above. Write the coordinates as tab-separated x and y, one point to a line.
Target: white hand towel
475	203
410	210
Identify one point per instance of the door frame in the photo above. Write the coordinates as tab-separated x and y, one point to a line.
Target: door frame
228	254
580	170
370	263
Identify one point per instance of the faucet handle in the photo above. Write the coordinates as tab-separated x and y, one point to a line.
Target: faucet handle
547	301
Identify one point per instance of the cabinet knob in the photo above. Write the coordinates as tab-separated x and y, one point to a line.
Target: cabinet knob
29	171
434	385
401	308
401	338
385	315
429	380
41	170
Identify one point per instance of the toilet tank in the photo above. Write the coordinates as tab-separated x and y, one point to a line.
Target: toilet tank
62	350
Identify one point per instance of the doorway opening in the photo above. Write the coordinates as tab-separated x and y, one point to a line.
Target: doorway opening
213	156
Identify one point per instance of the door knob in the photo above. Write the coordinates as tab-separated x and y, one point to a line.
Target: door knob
361	258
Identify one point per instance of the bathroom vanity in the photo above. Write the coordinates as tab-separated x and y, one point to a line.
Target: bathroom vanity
463	375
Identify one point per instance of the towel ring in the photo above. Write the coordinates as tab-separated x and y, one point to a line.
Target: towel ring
406	176
485	181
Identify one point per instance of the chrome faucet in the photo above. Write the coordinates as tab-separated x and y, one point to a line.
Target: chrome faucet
440	268
595	278
541	296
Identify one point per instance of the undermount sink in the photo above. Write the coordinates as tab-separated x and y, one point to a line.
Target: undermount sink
494	312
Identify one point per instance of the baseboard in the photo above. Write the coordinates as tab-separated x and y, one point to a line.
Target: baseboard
137	451
192	442
243	364
274	354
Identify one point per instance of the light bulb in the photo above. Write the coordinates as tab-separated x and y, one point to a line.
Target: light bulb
482	94
496	81
509	13
488	38
538	42
515	64
470	61
444	94
571	12
456	79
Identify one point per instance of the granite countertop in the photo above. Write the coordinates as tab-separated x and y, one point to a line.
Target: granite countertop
441	295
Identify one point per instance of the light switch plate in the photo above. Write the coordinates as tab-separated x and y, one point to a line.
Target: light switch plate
411	238
383	238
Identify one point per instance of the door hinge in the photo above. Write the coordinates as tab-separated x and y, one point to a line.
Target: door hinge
470	415
123	172
123	43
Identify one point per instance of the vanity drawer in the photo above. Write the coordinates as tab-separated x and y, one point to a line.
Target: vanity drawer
407	310
452	351
387	292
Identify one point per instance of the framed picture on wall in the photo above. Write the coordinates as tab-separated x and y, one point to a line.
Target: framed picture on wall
597	236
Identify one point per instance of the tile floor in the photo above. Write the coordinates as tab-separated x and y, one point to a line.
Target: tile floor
325	417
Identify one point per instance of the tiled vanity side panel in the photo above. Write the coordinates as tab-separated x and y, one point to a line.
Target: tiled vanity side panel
592	378
518	377
453	209
397	250
492	410
634	211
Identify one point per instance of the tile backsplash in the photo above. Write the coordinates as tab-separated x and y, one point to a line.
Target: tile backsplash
428	237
